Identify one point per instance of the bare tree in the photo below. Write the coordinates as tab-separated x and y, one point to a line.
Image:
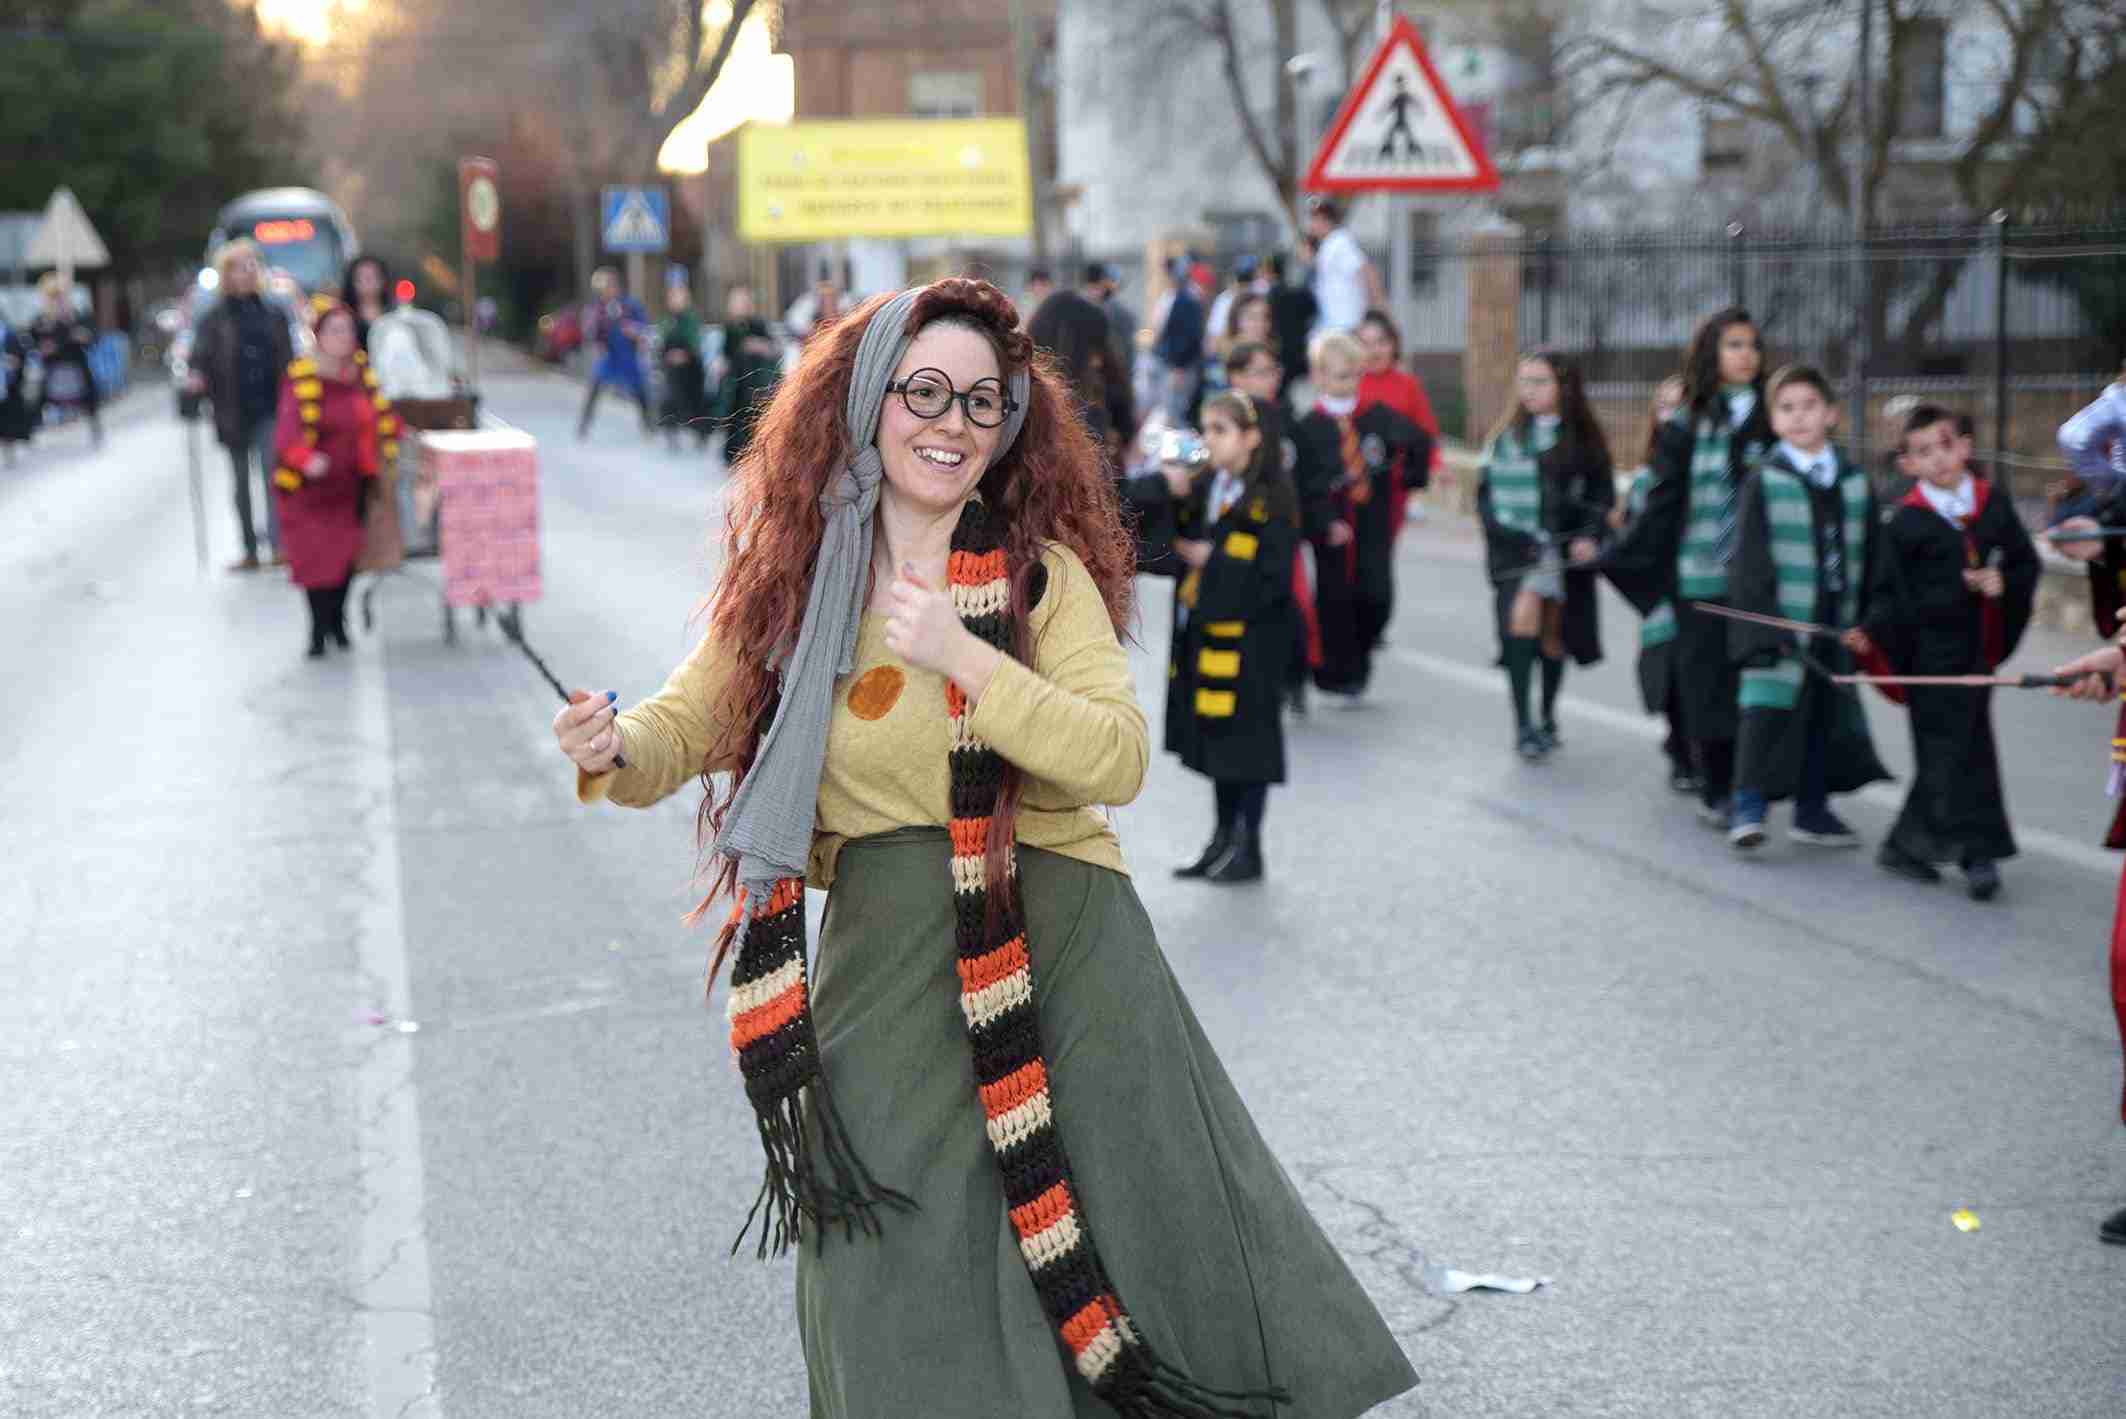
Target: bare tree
1258	84
1791	71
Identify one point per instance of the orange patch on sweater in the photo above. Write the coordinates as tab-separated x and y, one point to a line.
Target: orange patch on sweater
876	691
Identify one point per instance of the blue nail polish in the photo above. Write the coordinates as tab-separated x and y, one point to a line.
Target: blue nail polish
611	695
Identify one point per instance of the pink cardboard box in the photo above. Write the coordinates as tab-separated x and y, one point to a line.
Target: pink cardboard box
487	481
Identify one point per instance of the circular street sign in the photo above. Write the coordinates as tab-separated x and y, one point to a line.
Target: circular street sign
482	203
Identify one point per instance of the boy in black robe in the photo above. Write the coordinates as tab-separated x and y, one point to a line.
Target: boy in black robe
1806	553
1951	596
1358	460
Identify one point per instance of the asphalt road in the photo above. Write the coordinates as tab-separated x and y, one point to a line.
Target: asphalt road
352	1070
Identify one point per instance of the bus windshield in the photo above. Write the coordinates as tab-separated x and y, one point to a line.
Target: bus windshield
307	248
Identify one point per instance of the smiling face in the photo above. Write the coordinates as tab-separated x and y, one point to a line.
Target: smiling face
934	463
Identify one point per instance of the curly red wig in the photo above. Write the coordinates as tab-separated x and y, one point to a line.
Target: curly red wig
1050	486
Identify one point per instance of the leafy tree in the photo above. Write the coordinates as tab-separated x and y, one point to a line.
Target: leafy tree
156	112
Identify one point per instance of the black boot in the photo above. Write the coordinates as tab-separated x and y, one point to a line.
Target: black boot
1242	859
1215	849
2113	1229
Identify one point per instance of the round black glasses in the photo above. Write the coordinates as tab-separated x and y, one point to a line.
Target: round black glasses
928	393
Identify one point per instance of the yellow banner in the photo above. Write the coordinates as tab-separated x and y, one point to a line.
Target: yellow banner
825	181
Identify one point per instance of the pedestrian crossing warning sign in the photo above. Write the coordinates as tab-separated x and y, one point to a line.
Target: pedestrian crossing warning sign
636	219
1399	131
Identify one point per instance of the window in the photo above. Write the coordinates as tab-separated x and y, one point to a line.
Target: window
945	95
1923	55
1725	146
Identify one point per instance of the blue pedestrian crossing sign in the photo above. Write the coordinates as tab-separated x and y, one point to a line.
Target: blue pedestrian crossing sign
637	219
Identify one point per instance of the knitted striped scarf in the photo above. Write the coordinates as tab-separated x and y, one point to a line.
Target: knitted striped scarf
1515	476
1659	626
778	1053
1790	523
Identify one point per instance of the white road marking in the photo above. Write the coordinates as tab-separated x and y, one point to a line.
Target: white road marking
1652	729
397	1326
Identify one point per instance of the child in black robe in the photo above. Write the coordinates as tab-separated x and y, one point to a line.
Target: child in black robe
1805	553
1233	613
1952	595
1366	457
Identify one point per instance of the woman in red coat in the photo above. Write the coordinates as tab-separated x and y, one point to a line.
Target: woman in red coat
1385	381
334	429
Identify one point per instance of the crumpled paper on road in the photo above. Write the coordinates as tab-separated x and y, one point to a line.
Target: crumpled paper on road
1443	1280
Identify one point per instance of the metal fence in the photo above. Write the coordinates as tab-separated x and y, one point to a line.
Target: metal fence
2015	325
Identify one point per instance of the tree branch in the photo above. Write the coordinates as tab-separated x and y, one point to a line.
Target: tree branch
1220	17
702	76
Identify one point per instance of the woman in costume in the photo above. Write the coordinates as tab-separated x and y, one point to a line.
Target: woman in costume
1545	496
333	432
925	726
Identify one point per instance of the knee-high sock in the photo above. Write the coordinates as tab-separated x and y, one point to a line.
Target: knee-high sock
1254	802
1553	677
1520	663
1228	799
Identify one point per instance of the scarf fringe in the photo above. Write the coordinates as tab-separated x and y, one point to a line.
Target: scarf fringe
1152	1389
794	1194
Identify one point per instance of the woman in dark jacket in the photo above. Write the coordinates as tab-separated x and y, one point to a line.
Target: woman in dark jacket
1545	495
62	339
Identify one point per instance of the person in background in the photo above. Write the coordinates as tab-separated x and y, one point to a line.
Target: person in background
815	310
1346	282
243	345
14	400
1075	331
1657	629
614	322
1952	595
1546	492
1040	285
1360	451
332	432
752	365
62	339
1101	287
2094	441
1385	381
685	382
1293	311
1219	320
367	292
1180	343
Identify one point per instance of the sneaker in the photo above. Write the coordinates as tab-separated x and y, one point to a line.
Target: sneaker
1982	880
2113	1229
1530	745
1715	815
1552	740
1747	834
1820	827
1899	863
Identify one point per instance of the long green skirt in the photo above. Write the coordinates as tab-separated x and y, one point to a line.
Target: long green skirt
1204	1237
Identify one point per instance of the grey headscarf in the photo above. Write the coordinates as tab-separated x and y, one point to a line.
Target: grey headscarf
769	826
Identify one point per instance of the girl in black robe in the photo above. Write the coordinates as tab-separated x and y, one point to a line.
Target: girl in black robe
1233	612
1952	595
1544	500
1677	549
1368	455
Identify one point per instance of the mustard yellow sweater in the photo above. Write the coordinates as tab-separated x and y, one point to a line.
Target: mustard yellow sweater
1070	723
